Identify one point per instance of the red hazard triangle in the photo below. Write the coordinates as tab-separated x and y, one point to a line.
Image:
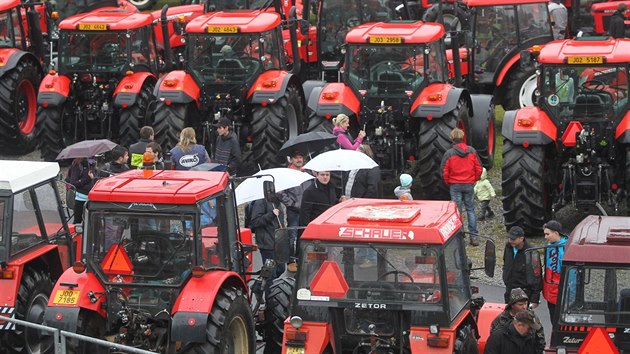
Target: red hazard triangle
329	281
598	342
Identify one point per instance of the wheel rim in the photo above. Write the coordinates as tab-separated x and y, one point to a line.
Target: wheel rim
139	3
238	338
36	342
26	107
526	94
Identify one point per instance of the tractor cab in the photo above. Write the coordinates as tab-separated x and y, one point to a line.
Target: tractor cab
379	275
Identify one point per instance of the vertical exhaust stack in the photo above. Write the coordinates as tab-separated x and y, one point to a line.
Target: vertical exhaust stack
168	55
297	65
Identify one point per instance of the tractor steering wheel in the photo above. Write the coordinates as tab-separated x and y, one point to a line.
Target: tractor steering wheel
396	273
593	85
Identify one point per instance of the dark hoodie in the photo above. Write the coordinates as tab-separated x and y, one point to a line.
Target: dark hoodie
617	27
508	340
315	200
460	165
228	152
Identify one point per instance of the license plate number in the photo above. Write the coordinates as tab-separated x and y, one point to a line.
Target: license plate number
586	60
291	350
222	29
66	297
385	40
92	27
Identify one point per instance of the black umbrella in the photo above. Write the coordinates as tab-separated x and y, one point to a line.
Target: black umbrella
308	143
86	148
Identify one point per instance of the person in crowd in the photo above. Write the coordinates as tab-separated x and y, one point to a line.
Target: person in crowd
553	263
227	150
265	219
344	139
518	301
484	192
559	18
317	198
117	164
519	337
403	192
514	266
292	200
137	150
80	175
156	150
617	26
188	153
460	170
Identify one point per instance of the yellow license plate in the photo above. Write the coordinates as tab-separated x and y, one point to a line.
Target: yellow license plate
291	350
66	297
92	27
385	40
222	29
586	60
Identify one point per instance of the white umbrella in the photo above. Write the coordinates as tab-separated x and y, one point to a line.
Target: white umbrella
284	178
340	160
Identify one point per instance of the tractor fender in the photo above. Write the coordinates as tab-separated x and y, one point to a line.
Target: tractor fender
195	303
11	57
506	68
53	90
271	85
335	98
528	124
438	99
177	87
422	334
309	87
318	335
488	312
622	131
129	87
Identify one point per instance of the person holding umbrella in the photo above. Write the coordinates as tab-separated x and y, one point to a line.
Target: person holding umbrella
265	219
342	122
80	175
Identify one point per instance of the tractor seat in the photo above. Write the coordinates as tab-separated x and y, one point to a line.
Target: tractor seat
230	64
390	80
590	104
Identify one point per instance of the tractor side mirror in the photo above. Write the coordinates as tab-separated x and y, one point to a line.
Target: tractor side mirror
533	268
526	58
490	258
269	190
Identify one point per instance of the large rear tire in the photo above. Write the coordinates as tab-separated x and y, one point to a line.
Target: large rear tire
278	302
32	301
143	5
483	136
55	131
92	325
435	139
273	125
526	196
18	107
169	121
136	116
520	88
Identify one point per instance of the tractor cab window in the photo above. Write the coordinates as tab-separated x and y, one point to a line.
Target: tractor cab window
28	207
533	21
595	296
435	70
495	33
93	51
149	248
222	5
585	92
142	50
388	69
7	35
457	283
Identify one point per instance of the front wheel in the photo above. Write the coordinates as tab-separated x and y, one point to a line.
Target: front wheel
136	116
278	302
521	88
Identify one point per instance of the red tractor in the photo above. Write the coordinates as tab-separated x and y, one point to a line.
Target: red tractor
236	68
396	88
167	269
36	245
415	296
573	147
107	68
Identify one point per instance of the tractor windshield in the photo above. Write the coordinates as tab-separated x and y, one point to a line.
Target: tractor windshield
8	31
104	52
391	69
385	276
339	16
595	296
585	91
238	58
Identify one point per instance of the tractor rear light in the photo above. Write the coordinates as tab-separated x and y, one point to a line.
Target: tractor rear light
6	274
168	102
328	116
330	95
52	72
45	104
49	85
191	322
59	316
409	93
54	15
317	256
125	105
270	83
2	59
362	92
430	117
198	271
411	158
129	73
128	86
264	103
435	97
78	267
438	342
296	336
170	83
614	186
524	122
525	144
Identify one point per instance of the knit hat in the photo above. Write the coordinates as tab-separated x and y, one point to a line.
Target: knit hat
516	295
405	180
515	232
553	225
529	318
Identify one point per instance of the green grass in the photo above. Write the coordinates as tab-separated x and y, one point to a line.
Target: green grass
498	151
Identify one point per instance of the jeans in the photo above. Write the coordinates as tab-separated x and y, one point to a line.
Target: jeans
465	193
293	220
485	209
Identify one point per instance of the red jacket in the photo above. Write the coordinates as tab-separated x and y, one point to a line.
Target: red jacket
460	165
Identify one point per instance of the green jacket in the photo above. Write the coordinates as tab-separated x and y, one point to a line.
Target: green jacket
483	188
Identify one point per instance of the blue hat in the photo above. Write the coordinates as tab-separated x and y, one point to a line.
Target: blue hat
405	180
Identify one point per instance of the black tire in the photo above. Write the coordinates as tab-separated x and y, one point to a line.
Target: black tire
55	131
273	125
319	124
526	196
449	13
32	301
465	343
143	5
278	302
18	107
131	119
435	139
520	88
169	122
230	327
483	137
92	325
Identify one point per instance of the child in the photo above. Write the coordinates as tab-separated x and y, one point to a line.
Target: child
484	192
403	192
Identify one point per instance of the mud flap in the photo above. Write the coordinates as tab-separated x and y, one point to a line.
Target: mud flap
63	318
189	327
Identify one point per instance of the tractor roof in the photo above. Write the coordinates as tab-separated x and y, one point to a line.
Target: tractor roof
600	239
409	32
159	187
116	19
18	175
9	4
612	50
476	3
245	21
378	220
